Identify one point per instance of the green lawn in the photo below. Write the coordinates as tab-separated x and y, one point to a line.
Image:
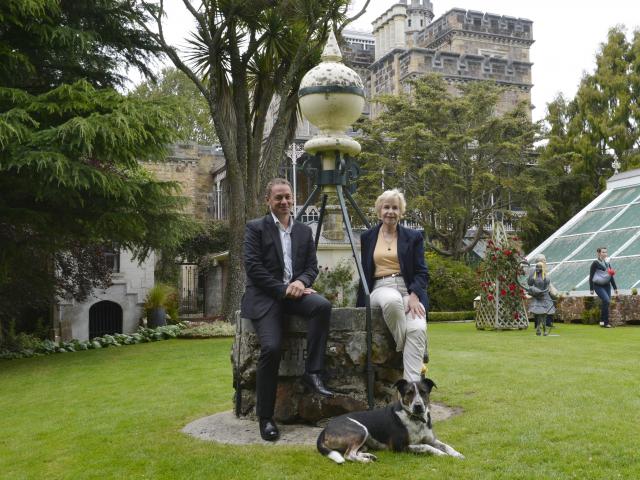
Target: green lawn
534	407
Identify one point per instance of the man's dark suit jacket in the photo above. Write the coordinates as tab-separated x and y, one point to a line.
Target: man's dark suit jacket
411	256
264	264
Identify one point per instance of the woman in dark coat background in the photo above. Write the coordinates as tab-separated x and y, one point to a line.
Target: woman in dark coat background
601	280
397	277
541	304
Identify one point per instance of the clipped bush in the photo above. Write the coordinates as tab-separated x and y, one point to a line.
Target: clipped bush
451	316
452	284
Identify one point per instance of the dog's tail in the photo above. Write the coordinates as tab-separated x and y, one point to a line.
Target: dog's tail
327	452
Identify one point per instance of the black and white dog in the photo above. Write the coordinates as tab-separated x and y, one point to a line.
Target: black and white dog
404	426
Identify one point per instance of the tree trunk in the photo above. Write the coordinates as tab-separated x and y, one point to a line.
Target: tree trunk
234	286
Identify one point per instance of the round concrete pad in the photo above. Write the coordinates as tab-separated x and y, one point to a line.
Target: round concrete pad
225	427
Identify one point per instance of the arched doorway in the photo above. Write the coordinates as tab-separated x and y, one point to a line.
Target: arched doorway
105	317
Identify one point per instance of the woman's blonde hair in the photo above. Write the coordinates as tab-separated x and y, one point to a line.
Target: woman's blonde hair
541	261
388	195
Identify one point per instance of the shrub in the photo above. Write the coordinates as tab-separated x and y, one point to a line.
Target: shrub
634	291
337	285
162	296
32	346
591	316
452	284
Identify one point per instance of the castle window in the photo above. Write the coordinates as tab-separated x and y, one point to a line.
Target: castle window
112	258
422	22
409	22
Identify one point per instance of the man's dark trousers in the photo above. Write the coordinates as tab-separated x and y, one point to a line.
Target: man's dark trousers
270	328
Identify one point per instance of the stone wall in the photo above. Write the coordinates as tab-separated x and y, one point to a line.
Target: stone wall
345	367
624	310
192	166
518	30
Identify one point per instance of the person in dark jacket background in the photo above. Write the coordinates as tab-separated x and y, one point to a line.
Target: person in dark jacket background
601	280
397	275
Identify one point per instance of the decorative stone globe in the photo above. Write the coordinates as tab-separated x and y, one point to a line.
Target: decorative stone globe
331	97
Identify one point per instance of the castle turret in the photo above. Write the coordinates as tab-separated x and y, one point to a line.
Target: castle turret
389	29
419	15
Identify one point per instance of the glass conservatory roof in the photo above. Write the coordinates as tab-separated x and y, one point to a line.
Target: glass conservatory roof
612	220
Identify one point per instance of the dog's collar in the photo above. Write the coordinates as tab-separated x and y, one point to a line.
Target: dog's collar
418	417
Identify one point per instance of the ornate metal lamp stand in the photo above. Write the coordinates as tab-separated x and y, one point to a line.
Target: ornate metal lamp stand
331	98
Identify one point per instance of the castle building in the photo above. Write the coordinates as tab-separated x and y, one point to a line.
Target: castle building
461	45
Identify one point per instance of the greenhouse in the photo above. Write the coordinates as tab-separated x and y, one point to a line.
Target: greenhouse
612	220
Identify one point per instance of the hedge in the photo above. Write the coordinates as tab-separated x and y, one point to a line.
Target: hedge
451	316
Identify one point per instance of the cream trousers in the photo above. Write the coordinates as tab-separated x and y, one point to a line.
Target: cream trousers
409	331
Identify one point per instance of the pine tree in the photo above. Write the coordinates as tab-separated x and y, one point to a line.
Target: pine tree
70	181
459	163
588	133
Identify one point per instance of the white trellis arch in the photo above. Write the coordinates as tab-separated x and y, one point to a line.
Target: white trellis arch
494	314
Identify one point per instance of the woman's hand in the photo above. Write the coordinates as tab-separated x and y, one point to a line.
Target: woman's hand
415	307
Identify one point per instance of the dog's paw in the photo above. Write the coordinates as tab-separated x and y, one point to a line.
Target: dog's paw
457	455
363	457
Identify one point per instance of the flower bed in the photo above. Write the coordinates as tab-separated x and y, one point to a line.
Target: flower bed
30	346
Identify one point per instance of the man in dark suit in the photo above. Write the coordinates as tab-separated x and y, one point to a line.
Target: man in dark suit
281	265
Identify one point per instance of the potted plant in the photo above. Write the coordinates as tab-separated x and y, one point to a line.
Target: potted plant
158	299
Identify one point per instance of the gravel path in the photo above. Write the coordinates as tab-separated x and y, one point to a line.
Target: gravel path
225	427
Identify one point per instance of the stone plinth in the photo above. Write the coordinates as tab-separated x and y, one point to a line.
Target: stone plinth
345	367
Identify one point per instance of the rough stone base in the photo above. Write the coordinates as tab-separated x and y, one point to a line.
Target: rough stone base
226	428
345	367
624	309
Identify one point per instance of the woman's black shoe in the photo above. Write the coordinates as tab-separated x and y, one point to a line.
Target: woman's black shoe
269	430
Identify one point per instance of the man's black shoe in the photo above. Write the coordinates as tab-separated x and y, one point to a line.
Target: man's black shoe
269	430
314	382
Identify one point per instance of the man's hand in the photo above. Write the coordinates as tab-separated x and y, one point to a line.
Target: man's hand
591	292
415	307
308	291
616	291
295	289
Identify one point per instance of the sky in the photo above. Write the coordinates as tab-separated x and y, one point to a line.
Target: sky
567	34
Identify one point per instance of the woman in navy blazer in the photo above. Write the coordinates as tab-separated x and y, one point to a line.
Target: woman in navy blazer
397	277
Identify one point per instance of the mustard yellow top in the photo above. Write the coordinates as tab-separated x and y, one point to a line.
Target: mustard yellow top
385	256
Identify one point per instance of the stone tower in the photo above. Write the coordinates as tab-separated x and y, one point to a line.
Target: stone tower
419	15
461	45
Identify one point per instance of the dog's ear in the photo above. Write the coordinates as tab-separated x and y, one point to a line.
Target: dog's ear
401	385
429	383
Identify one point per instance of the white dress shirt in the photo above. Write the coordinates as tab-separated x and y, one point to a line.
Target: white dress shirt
285	240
